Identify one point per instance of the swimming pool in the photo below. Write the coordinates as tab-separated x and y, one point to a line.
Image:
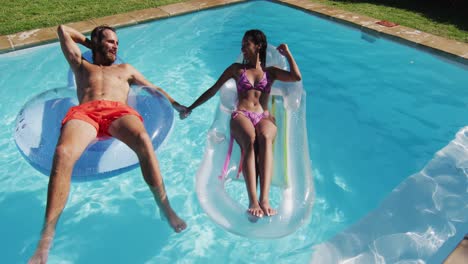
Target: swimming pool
378	112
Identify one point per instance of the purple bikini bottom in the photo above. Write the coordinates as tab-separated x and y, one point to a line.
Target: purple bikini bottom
253	116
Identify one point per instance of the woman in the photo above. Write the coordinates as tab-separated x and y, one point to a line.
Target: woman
251	125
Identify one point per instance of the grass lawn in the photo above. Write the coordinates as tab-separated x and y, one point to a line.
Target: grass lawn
442	20
22	15
436	17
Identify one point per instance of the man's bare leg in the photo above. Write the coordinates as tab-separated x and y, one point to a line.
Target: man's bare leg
130	130
74	138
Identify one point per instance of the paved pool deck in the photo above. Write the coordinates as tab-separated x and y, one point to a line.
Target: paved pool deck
452	49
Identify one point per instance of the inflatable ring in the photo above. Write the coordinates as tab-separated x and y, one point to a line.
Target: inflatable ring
292	170
38	128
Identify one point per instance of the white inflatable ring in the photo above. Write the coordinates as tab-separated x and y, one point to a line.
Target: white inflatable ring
38	128
292	169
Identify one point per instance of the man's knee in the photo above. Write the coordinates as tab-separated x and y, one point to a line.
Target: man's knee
142	140
66	153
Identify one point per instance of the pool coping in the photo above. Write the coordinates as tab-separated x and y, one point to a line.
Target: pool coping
452	49
447	48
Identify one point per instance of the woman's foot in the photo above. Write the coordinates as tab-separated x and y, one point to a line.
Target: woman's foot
177	224
174	221
255	210
267	210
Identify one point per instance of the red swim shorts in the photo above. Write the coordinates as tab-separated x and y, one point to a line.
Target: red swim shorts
100	114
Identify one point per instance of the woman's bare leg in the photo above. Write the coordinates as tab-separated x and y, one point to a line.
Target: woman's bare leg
244	133
266	133
130	130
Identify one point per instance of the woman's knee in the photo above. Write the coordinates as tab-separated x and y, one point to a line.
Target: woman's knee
247	141
265	137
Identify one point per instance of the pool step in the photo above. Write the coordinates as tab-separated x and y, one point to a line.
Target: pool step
460	254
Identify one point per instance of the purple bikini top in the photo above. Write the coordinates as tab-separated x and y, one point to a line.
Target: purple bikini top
243	84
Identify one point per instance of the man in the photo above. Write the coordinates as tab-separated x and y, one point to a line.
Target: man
102	90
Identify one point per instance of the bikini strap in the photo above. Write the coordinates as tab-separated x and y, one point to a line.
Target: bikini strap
228	159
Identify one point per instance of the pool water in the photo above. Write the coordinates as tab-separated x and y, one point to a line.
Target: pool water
377	111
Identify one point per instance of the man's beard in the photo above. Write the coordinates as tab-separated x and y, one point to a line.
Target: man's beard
108	58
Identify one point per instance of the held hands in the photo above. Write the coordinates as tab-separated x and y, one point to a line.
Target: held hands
184	111
283	49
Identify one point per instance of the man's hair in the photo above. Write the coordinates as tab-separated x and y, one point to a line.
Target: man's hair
97	35
258	38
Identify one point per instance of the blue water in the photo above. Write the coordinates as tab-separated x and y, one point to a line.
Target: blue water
377	112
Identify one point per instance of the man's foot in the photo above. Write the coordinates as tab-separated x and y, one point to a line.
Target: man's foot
40	257
255	210
265	205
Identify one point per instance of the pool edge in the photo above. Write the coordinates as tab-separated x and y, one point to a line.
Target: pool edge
40	36
448	48
451	49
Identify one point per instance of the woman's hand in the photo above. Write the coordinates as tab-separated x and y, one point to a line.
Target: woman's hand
283	49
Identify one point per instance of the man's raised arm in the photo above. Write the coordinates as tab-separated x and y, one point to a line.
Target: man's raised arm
69	38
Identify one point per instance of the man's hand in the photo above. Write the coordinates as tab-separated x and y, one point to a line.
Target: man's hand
87	43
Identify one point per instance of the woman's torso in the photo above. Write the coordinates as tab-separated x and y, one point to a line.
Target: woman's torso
253	88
